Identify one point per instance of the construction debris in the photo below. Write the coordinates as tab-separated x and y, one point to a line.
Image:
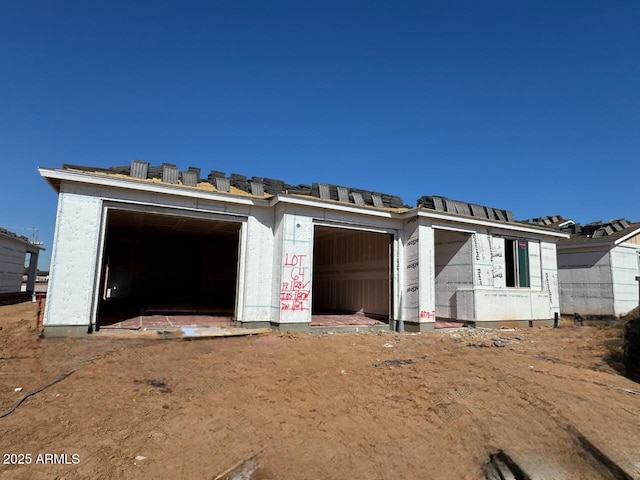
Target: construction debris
184	333
242	470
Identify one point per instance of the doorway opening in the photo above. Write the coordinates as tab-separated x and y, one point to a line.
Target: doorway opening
164	271
352	277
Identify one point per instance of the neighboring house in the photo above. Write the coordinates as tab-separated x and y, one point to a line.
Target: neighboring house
13	252
143	238
598	266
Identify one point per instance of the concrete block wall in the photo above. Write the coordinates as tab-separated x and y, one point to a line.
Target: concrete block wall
625	267
12	257
587	282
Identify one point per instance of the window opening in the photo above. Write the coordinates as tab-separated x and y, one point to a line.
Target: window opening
517	263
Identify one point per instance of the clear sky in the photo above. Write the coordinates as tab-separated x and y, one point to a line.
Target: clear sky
531	106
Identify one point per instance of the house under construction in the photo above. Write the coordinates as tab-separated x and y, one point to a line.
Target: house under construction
15	251
140	242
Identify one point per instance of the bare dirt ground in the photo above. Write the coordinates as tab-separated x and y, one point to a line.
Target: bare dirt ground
331	406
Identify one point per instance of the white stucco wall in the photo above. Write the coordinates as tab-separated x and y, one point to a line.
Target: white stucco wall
73	259
294	250
549	280
78	241
12	257
502	305
256	262
624	269
586	281
296	266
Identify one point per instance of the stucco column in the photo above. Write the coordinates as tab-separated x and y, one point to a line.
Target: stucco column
296	262
73	265
426	249
417	296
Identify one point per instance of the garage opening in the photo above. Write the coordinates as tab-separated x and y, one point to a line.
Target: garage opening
454	270
352	277
163	271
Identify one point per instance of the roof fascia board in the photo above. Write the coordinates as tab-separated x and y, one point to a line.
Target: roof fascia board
628	236
133	184
153	208
323	222
318	203
31	248
454	228
484	223
15	238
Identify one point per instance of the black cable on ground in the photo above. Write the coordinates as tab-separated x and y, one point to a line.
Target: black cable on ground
38	390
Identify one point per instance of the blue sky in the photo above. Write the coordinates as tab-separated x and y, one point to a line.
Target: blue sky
532	106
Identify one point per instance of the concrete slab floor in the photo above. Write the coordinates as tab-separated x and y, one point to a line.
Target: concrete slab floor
449	324
343	320
170	321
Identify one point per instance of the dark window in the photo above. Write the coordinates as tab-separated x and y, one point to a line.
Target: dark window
516	255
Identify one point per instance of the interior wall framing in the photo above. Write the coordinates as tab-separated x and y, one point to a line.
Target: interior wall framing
453	269
352	271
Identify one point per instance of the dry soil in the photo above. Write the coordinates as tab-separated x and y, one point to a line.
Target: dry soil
330	406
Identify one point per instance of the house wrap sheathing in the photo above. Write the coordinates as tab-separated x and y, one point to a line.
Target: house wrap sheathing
142	238
598	268
13	253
